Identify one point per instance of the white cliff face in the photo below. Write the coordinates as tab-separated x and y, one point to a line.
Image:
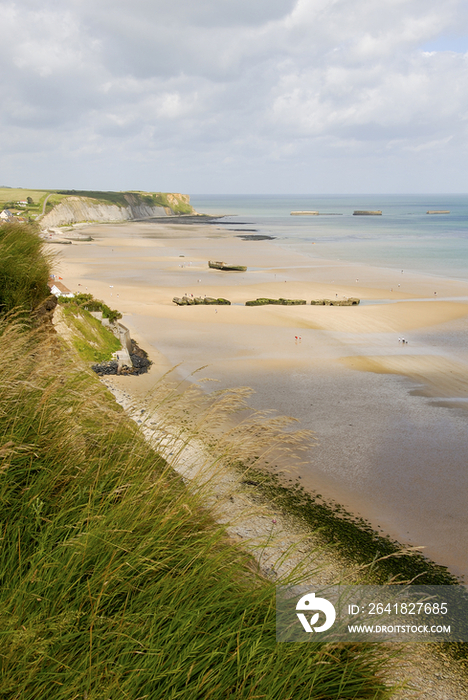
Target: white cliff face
78	209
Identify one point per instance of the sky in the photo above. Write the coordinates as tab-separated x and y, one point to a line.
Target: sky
235	96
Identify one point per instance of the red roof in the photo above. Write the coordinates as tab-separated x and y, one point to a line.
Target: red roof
61	287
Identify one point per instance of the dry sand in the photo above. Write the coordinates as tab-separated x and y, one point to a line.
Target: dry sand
390	418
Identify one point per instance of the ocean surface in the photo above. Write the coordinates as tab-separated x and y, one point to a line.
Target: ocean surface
404	237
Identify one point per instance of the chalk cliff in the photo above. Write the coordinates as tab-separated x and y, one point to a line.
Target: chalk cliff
130	206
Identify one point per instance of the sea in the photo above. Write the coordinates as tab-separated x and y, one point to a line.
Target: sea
404	236
391	454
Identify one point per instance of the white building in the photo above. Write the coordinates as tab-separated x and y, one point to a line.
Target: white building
59	289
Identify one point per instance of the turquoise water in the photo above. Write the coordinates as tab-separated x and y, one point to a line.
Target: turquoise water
404	237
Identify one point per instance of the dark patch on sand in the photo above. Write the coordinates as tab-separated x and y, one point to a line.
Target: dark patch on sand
256	237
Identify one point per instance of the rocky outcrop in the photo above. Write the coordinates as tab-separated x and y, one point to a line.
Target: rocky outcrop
72	210
218	265
44	313
352	301
195	301
176	200
139	363
263	301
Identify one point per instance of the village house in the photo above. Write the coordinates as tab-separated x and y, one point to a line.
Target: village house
60	290
6	215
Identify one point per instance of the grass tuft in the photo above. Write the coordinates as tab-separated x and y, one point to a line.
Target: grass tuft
24	268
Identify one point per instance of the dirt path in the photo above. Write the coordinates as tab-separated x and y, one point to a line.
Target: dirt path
44	205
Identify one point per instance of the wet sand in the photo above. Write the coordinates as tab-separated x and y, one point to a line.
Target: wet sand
390	418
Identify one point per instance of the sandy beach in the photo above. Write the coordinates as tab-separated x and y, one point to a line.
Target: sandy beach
389	417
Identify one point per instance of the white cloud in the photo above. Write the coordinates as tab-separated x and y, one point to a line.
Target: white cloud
248	84
430	145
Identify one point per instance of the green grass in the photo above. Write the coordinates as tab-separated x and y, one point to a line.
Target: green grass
93	341
163	199
54	199
9	197
88	302
117	198
8	194
24	268
116	582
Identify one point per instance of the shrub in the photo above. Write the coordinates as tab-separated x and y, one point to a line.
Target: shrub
87	301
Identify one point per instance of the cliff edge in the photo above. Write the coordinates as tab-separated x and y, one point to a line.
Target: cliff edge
75	207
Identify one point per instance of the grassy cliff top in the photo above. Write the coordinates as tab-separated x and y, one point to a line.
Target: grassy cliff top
10	197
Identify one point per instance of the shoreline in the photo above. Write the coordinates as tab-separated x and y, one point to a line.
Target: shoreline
346	542
281	539
255	346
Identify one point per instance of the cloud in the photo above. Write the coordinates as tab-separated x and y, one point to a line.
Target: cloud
250	85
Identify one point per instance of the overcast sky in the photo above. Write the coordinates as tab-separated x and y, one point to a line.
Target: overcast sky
234	96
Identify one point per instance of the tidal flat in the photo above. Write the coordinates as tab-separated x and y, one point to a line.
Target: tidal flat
389	417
